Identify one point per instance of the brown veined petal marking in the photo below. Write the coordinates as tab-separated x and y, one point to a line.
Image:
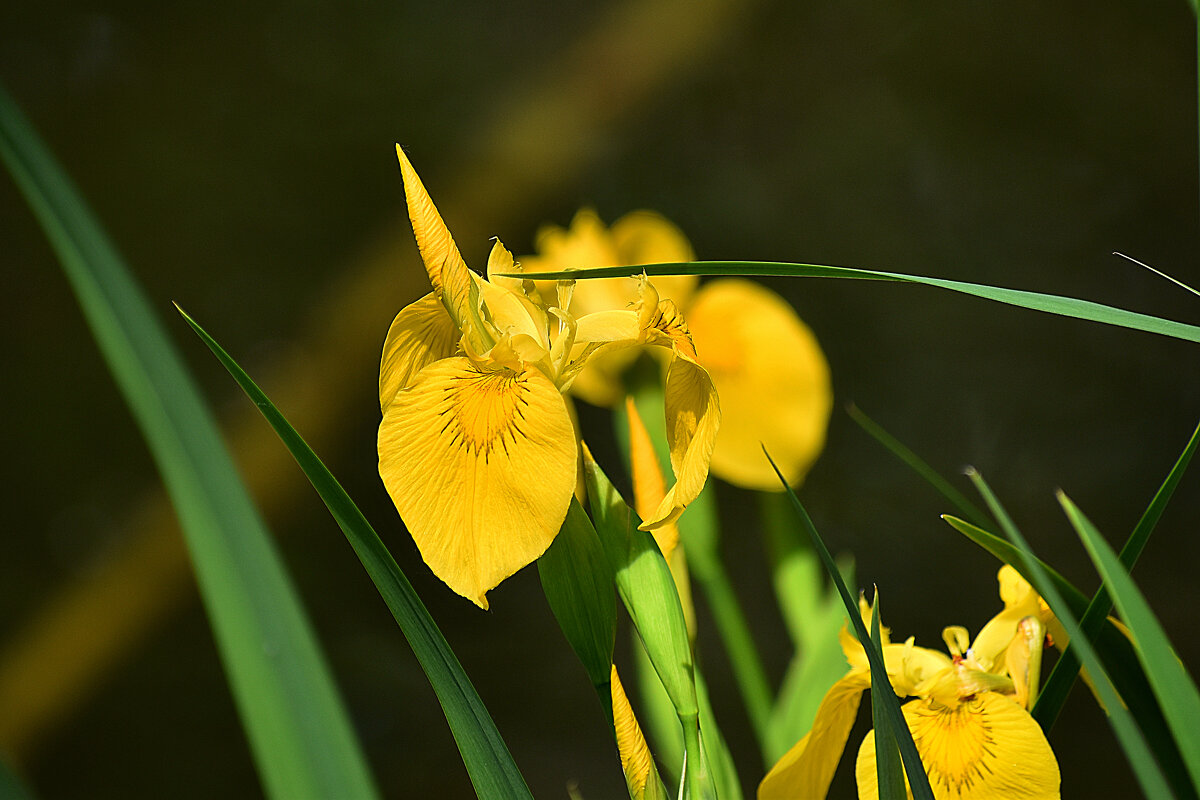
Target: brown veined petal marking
481	466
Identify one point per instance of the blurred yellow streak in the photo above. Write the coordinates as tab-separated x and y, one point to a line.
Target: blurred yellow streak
548	131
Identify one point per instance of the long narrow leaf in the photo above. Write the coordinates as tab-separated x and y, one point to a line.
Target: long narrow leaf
1174	687
1049	303
1062	677
919	466
301	738
488	761
1149	775
889	769
892	720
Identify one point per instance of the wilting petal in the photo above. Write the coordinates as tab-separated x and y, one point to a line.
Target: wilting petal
447	271
985	748
481	466
806	770
772	378
693	417
421	334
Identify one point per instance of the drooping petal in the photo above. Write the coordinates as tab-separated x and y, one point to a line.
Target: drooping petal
447	271
773	381
693	417
481	466
985	748
421	334
691	406
806	770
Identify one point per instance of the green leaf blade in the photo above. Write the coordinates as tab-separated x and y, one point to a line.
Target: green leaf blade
892	716
1149	775
889	769
488	761
1066	669
1176	692
300	735
1035	301
578	584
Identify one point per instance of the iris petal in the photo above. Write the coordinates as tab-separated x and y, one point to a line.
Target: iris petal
772	378
806	770
447	271
481	466
984	748
421	334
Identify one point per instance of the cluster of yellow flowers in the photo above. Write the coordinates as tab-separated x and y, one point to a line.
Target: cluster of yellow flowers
473	388
970	720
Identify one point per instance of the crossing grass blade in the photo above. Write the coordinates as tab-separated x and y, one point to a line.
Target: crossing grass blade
299	732
1172	685
489	763
1048	303
1062	677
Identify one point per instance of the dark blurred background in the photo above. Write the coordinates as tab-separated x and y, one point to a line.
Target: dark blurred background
241	157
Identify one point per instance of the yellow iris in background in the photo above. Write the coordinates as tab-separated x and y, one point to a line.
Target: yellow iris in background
969	721
476	446
769	371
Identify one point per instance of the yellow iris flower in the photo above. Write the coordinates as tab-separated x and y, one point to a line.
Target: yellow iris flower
969	721
769	371
476	446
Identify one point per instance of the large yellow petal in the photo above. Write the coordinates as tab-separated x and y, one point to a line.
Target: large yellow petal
805	771
481	466
421	334
772	378
447	271
985	748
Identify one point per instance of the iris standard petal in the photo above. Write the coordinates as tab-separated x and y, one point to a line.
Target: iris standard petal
421	334
772	378
447	271
984	748
806	770
481	466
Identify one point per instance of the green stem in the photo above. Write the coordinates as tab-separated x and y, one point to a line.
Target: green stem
709	573
697	780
